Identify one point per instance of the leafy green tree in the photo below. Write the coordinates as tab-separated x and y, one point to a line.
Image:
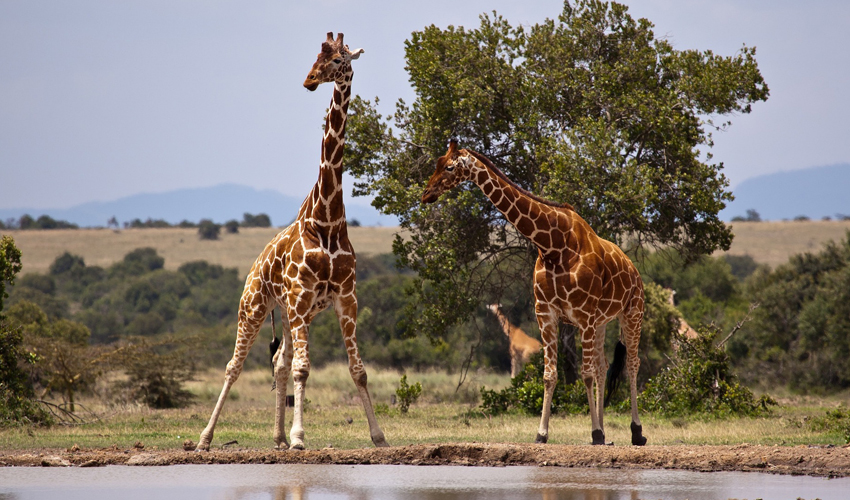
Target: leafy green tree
208	230
16	391
590	108
259	220
800	333
232	226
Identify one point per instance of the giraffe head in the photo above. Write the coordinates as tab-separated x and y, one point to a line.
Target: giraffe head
453	168
333	63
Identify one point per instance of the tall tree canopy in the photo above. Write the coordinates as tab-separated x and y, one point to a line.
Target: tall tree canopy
590	109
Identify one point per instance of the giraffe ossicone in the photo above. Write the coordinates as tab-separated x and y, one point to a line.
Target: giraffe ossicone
307	267
579	278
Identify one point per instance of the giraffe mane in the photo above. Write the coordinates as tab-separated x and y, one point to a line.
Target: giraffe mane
489	164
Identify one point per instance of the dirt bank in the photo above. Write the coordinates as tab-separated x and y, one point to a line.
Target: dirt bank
801	460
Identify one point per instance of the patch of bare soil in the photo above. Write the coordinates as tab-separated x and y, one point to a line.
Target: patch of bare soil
801	460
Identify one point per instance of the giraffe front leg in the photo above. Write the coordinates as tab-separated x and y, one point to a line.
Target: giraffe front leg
252	312
346	310
283	368
590	376
547	320
300	373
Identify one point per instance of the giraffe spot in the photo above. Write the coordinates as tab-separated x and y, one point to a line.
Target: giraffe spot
512	213
543	240
525	225
504	205
335	119
524	205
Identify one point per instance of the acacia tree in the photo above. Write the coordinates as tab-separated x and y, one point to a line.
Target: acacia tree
590	109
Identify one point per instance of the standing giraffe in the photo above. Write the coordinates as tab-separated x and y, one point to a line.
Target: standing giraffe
307	267
579	278
522	346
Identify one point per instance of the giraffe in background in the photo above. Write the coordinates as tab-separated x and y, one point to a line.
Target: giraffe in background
522	346
684	329
579	278
307	267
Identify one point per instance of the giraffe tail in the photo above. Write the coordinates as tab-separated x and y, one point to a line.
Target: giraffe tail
612	381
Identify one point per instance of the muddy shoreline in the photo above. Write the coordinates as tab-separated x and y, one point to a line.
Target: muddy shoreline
800	460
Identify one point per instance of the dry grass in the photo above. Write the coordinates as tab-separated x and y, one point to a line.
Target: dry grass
772	243
441	416
767	242
102	247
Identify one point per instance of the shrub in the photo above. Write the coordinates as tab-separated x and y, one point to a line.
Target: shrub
208	230
525	394
699	381
407	394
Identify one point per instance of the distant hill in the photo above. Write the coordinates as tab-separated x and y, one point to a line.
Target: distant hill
219	203
814	192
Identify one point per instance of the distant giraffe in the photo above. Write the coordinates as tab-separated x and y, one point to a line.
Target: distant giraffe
522	346
307	267
684	329
579	278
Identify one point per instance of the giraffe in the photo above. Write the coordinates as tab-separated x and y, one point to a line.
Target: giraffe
579	278
522	346
685	330
307	267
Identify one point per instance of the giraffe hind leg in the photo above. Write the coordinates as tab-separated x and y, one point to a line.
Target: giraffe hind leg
630	326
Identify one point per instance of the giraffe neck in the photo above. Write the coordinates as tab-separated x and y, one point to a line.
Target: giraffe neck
527	212
325	205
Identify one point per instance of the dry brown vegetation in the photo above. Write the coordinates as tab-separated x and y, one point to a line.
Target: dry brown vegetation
767	242
772	243
102	247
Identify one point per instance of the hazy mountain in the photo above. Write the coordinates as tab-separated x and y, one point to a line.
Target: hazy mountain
219	203
814	192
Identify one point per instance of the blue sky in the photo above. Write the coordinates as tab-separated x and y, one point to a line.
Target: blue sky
101	99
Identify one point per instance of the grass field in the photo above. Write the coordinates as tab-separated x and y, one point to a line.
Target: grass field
102	247
441	416
767	242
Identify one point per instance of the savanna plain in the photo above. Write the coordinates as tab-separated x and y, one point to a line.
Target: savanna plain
445	425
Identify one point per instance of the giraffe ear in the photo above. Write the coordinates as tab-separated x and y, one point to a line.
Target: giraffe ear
356	53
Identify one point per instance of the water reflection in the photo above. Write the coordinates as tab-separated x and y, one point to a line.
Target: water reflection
302	482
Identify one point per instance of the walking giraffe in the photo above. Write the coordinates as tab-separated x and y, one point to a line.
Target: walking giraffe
579	278
522	347
305	268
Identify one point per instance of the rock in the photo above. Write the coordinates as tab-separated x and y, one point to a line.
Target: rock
139	445
54	461
145	459
189	445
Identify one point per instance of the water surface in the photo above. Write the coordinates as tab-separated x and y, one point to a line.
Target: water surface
401	482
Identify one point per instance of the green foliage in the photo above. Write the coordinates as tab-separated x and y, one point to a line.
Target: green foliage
259	220
835	421
590	108
208	230
138	223
232	226
699	381
10	266
43	222
525	394
156	373
800	334
16	391
407	394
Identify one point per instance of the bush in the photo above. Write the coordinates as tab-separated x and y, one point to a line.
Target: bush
208	230
259	220
407	394
232	226
525	393
699	381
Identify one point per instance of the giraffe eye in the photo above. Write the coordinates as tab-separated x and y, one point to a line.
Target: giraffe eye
449	168
337	60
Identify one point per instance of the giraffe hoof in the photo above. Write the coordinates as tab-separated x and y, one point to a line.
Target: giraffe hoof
296	446
541	439
638	439
598	436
